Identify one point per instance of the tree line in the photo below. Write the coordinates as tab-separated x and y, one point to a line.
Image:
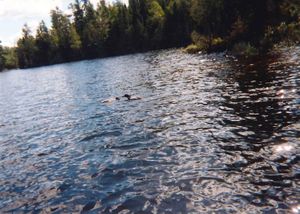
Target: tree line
247	26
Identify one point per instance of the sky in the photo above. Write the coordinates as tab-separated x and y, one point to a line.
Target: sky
15	13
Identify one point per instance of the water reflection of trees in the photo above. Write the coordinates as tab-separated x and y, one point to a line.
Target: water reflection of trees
254	109
255	120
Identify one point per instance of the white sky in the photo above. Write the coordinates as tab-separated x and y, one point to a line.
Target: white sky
15	13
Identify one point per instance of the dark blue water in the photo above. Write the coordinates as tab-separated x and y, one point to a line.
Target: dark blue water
211	134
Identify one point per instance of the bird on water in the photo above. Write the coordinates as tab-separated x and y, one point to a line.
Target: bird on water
111	99
130	97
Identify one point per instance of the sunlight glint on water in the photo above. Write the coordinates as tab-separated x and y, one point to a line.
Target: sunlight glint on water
211	135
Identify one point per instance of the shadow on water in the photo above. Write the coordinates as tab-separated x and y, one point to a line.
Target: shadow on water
262	114
257	103
212	134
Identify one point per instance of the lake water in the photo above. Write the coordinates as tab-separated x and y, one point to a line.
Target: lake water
212	134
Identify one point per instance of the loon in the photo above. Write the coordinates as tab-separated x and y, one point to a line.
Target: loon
110	100
129	97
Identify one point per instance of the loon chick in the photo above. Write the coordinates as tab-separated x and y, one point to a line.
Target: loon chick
129	97
110	100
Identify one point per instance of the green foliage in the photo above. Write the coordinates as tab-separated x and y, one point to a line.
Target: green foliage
289	33
244	49
178	23
65	38
291	8
78	13
293	32
10	58
238	30
1	58
206	43
252	22
202	42
155	23
247	27
207	15
119	28
289	29
75	42
43	44
192	49
26	49
217	41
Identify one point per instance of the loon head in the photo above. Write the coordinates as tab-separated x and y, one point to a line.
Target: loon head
127	96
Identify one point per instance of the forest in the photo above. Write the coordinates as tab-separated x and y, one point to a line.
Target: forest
245	28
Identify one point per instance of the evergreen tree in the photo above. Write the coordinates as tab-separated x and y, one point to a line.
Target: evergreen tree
43	44
119	37
137	14
78	13
95	30
26	49
1	58
65	36
208	15
152	24
178	24
155	24
10	58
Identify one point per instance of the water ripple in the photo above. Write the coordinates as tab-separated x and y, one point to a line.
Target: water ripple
212	134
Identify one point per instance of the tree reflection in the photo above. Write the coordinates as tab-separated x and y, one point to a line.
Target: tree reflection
259	106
